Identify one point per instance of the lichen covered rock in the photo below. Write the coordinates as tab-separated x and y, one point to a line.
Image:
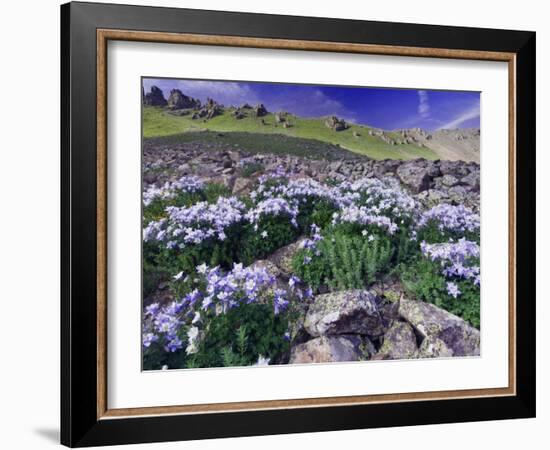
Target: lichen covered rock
343	312
435	323
399	342
326	349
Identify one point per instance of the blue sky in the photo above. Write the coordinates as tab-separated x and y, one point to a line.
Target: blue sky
384	108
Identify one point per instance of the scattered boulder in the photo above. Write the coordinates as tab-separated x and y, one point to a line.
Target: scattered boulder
344	312
399	342
155	97
326	349
336	124
243	185
430	321
280	117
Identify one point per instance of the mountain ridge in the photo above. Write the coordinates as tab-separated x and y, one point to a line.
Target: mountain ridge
181	114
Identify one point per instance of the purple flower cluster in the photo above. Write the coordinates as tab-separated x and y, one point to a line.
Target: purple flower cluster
275	206
192	225
459	260
163	324
311	244
219	293
297	191
450	218
381	197
364	215
190	184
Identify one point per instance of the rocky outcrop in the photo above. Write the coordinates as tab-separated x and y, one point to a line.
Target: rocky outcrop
155	97
399	342
431	182
326	349
178	100
336	124
260	110
344	312
210	110
434	323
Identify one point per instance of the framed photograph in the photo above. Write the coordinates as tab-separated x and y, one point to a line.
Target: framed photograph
276	224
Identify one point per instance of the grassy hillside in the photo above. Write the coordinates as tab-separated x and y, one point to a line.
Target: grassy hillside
157	122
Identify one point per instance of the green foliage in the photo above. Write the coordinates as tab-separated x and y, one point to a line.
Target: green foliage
240	336
422	278
343	261
232	358
250	169
155	357
254	245
315	211
213	191
306	136
432	234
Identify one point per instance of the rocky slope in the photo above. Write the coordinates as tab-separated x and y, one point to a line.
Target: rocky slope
432	182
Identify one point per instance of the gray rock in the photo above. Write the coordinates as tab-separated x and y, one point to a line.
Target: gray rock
326	349
343	312
472	180
449	180
243	185
433	347
432	197
260	110
336	124
458	194
399	342
430	321
282	258
155	97
417	175
177	100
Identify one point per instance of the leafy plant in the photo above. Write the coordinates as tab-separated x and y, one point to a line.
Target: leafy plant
424	280
343	261
240	336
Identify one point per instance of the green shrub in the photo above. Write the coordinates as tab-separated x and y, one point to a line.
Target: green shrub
240	336
343	261
272	233
422	278
432	234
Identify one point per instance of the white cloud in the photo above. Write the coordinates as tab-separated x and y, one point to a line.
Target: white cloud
423	104
311	104
307	102
470	113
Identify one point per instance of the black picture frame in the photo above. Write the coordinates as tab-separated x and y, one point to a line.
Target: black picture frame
80	425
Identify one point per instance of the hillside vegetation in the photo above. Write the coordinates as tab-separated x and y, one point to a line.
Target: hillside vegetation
158	122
